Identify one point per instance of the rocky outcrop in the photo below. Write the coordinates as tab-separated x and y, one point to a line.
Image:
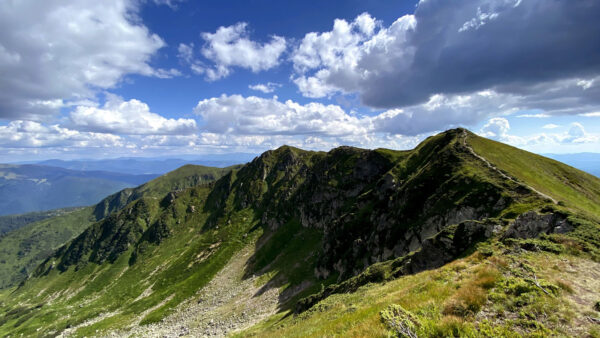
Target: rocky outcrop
531	225
434	252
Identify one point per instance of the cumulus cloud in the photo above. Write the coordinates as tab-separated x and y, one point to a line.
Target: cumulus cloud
186	54
131	117
56	50
442	112
231	47
550	126
253	115
496	128
266	88
447	48
576	131
30	134
499	129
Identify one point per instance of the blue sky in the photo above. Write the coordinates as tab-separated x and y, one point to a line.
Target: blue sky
85	79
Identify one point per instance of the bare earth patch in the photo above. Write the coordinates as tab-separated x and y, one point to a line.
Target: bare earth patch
227	304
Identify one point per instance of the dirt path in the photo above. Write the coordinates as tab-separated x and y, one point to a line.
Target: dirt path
491	166
225	305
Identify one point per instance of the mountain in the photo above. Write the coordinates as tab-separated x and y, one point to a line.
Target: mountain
461	236
26	188
23	248
589	162
13	222
137	165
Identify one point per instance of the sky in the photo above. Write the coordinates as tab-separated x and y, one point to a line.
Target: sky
112	78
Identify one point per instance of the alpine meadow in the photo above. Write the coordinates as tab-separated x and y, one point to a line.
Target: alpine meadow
422	168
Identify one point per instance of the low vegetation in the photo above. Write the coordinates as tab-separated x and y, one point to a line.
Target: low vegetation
440	241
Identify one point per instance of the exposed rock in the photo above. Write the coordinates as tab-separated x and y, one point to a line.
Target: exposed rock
531	224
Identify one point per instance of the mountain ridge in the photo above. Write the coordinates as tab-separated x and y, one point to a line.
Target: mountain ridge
30	188
22	249
316	225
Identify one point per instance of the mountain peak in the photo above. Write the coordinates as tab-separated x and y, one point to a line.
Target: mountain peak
293	220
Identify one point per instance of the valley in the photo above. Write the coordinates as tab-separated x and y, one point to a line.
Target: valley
461	236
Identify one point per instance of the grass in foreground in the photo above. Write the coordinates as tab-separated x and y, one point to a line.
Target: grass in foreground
512	294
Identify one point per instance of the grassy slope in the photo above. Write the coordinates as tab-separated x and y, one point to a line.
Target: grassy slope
477	296
182	178
579	191
482	295
23	249
204	238
13	222
170	272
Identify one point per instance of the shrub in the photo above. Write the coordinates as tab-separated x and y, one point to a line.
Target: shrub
487	277
401	321
467	300
452	326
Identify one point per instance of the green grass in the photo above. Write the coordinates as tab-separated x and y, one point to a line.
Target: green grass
338	213
578	190
447	302
115	286
13	222
21	250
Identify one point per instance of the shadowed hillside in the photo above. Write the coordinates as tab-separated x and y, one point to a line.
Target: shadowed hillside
22	249
296	241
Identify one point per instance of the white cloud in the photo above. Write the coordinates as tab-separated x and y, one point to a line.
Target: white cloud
56	50
481	19
593	114
313	86
535	116
499	129
496	128
171	3
230	47
585	84
444	49
253	115
550	126
185	53
349	54
131	117
266	88
442	112
166	73
30	134
576	131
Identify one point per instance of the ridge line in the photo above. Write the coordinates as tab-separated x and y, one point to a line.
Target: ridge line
491	166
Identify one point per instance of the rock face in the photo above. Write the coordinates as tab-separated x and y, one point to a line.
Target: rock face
370	205
531	224
354	215
434	252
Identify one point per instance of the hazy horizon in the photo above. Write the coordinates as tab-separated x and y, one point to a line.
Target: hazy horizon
149	78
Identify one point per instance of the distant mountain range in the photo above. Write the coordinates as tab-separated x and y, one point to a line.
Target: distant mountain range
460	237
589	162
52	184
141	165
26	188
